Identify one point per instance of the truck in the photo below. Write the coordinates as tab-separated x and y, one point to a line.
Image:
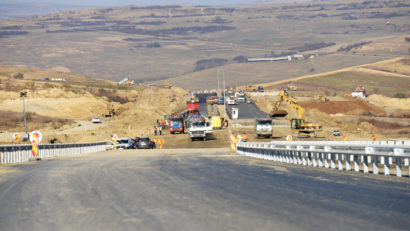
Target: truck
176	124
197	128
263	128
241	98
192	106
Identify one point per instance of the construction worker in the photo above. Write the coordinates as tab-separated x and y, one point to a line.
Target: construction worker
239	138
373	138
244	137
160	130
155	130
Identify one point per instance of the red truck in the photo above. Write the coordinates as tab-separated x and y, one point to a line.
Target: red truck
192	107
176	124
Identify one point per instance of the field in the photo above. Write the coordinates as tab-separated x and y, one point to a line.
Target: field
186	44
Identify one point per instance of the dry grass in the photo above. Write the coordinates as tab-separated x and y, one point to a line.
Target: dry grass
15	120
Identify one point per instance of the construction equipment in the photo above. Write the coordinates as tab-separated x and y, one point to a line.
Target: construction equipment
110	111
297	124
322	98
250	88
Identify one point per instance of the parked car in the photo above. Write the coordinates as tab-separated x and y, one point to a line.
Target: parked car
135	142
96	119
124	143
336	132
145	143
212	100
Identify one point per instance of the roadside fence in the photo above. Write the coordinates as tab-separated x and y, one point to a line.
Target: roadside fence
10	154
358	156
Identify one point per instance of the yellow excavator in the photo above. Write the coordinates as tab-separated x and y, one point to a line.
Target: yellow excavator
110	111
297	124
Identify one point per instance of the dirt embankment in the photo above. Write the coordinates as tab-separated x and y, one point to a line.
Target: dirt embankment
63	112
353	107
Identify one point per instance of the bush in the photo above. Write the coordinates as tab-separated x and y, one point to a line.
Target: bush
18	76
240	59
399	95
209	63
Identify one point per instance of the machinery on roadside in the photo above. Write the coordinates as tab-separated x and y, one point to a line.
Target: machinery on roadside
322	98
110	112
298	124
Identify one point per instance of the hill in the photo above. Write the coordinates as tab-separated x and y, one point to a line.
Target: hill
63	110
161	42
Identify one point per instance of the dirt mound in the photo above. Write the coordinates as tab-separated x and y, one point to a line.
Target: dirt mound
394	106
354	107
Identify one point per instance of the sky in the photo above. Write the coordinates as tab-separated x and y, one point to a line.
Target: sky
102	3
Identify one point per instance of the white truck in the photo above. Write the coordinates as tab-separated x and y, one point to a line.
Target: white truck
197	128
263	128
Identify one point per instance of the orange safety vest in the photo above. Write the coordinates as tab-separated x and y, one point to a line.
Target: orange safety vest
245	137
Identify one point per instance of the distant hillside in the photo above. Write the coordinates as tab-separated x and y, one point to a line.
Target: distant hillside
389	78
149	43
9	10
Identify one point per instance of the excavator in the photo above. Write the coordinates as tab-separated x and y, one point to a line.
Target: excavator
297	124
110	111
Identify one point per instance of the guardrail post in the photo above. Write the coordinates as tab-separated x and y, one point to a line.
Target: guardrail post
320	159
347	160
398	152
288	152
312	149
386	166
370	151
340	161
332	158
295	158
302	154
309	158
356	163
365	164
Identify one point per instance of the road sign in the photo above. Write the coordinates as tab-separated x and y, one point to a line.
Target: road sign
114	139
289	138
16	137
39	136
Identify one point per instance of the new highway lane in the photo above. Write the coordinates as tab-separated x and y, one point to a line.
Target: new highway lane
195	189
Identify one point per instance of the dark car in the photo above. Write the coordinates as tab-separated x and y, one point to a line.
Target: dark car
145	143
135	142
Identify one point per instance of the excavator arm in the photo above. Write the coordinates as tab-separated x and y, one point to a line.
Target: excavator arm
284	96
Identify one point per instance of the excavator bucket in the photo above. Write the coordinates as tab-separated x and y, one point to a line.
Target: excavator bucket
279	113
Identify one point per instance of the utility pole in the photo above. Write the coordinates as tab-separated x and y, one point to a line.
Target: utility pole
22	95
223	76
218	79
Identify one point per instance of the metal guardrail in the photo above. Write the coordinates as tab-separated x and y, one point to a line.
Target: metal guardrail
329	153
22	153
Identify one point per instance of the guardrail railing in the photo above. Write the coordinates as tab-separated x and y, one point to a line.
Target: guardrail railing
362	155
10	154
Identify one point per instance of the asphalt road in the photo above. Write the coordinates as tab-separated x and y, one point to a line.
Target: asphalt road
202	189
246	111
